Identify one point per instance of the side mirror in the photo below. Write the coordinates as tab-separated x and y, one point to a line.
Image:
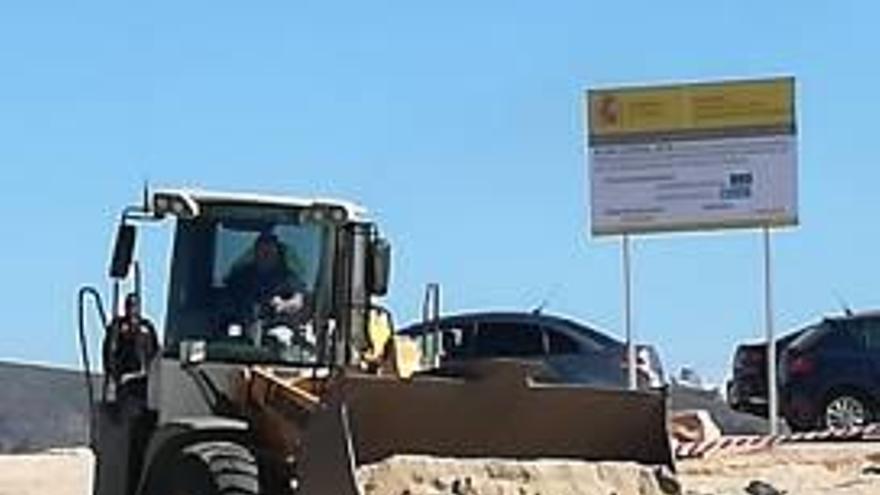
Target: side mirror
380	267
123	251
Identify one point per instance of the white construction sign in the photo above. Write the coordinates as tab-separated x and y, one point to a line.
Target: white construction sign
692	157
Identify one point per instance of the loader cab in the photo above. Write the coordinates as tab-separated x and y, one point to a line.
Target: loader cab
238	259
278	282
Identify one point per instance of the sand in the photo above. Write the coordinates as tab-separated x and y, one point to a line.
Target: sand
804	469
58	472
407	475
837	469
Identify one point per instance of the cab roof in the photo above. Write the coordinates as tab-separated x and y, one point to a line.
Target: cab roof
353	210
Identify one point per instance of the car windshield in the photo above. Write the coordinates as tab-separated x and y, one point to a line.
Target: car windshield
249	281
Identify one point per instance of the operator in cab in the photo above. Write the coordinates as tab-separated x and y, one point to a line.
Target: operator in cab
265	288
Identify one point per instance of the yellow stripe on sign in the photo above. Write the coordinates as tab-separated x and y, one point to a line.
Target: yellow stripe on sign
691	107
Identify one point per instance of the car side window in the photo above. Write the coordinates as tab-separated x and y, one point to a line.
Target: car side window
558	343
457	340
508	339
872	334
844	336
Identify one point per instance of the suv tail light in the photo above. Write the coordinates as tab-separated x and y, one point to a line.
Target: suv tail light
800	365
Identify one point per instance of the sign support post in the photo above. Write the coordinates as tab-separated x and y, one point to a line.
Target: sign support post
627	315
772	390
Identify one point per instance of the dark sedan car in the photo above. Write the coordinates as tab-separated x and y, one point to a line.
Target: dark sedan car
572	352
830	375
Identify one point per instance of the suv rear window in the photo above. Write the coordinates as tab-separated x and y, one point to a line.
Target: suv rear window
501	339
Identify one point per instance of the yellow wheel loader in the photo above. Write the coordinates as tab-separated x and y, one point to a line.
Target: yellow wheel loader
278	372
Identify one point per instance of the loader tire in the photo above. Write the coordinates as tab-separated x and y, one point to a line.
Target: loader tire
208	468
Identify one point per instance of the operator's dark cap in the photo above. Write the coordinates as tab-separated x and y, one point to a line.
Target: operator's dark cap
267	237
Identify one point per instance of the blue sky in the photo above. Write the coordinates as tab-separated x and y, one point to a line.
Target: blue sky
457	123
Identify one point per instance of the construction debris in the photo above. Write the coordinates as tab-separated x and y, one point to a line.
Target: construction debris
758	487
693	426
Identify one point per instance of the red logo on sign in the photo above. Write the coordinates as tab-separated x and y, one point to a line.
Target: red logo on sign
608	111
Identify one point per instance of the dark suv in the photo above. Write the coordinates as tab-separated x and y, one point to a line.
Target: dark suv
747	389
830	375
570	351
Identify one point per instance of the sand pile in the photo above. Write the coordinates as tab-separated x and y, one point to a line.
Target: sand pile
412	475
839	469
806	469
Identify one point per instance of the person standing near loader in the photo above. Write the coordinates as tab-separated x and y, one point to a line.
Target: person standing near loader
130	344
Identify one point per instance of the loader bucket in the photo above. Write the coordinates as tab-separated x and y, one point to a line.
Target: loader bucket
490	410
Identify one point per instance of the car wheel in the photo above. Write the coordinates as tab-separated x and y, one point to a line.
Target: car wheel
845	410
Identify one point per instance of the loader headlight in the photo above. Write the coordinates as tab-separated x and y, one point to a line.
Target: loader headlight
337	214
325	213
178	204
161	203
